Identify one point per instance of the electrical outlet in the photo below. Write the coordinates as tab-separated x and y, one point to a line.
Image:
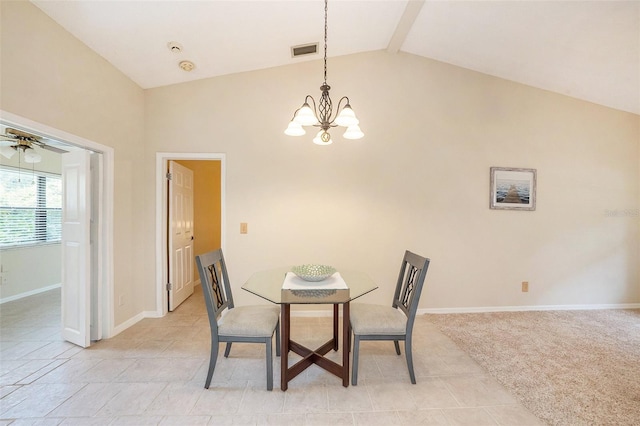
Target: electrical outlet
525	286
243	227
121	300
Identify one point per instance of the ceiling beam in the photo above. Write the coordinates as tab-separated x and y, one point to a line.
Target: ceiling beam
409	16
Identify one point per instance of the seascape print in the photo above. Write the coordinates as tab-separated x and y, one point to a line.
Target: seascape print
512	191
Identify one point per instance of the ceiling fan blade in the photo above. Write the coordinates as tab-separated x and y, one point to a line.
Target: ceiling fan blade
18	137
53	149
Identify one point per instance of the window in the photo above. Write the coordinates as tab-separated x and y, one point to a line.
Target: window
30	207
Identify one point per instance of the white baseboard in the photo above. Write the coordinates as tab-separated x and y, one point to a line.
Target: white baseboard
480	309
527	308
132	321
328	312
29	293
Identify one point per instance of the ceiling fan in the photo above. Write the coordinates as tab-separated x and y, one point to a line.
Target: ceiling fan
13	141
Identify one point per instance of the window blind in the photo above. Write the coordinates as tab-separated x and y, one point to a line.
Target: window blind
30	207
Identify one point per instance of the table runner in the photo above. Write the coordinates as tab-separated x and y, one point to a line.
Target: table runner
294	282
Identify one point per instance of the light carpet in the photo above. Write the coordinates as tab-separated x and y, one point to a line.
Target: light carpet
566	367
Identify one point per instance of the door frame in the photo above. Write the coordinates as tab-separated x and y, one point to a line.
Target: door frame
162	218
105	240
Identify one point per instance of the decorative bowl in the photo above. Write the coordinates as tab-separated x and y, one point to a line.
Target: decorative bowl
313	272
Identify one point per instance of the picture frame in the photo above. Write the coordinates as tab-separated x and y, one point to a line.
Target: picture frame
512	188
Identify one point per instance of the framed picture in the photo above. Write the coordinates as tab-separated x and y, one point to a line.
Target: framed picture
513	189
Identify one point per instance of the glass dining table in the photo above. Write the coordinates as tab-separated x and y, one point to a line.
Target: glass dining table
269	285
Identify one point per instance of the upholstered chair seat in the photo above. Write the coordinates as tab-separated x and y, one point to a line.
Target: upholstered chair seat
377	319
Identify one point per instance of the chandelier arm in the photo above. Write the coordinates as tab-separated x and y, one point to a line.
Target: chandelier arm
338	109
313	102
296	111
342	99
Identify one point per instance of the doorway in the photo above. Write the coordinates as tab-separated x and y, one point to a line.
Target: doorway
201	164
100	262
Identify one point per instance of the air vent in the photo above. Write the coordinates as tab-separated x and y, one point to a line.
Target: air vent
305	49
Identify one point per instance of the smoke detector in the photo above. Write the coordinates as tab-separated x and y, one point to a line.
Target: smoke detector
174	46
187	66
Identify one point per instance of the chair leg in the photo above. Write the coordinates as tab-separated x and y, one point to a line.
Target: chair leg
278	338
354	367
227	350
408	354
395	342
269	364
212	363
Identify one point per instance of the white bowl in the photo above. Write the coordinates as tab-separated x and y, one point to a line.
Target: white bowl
313	272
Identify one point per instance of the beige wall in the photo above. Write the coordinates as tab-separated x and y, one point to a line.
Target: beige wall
207	214
50	77
419	179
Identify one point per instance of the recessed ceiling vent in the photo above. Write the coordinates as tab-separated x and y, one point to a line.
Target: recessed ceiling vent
305	49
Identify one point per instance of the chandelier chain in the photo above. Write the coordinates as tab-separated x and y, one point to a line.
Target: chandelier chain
321	115
326	3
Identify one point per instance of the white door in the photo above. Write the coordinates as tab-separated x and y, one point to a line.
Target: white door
96	253
181	237
76	268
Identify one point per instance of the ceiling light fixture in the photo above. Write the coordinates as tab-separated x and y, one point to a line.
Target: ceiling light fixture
187	66
28	153
321	115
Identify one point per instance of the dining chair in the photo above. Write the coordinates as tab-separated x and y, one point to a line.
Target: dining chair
255	324
395	322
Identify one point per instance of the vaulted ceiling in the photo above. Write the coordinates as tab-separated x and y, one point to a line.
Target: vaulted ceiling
585	49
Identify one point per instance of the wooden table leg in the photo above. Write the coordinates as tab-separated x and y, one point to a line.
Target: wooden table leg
285	336
346	334
335	327
314	356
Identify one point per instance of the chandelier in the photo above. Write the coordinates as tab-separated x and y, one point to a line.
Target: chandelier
321	114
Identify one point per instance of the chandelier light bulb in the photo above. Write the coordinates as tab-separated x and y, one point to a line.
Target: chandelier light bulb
323	138
294	129
347	117
305	116
353	132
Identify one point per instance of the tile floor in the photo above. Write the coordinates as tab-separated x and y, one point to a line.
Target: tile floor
154	372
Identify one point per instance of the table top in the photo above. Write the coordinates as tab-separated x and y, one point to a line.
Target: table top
268	285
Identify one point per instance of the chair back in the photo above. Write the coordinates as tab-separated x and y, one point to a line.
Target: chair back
409	286
215	285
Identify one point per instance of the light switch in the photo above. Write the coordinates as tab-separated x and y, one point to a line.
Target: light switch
243	227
